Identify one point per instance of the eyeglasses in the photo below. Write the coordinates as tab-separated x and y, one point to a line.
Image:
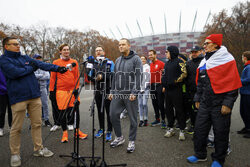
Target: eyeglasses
206	43
15	44
98	50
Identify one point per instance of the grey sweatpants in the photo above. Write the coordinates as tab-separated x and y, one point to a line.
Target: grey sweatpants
45	105
118	104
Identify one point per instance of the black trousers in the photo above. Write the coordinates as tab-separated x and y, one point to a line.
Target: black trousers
66	117
157	100
55	111
245	110
206	117
98	99
174	100
4	103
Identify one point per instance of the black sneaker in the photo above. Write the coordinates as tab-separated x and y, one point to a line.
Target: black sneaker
210	144
247	135
242	131
47	123
191	130
141	123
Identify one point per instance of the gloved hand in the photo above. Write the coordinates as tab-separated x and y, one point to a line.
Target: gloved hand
52	95
33	65
75	92
62	70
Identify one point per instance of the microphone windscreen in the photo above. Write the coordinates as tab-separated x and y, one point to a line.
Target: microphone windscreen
73	64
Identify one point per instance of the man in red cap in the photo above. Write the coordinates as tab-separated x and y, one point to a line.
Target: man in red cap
217	81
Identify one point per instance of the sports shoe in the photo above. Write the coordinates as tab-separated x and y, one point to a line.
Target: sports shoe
229	150
163	124
191	130
54	128
247	135
242	131
156	122
43	152
216	164
123	114
99	133
82	135
193	159
170	132
145	123
108	136
47	123
141	123
210	144
1	132
65	137
118	141
131	147
15	160
182	135
70	127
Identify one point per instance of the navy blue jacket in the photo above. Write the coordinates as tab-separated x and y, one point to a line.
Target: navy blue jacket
22	84
245	79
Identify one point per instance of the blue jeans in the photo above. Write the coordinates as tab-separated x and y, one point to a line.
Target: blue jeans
143	104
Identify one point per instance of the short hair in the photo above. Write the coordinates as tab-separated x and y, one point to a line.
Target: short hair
62	46
144	56
246	54
128	42
6	40
100	46
152	50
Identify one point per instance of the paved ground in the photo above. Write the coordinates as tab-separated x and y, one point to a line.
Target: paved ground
152	149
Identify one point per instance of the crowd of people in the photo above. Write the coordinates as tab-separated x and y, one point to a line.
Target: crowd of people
201	87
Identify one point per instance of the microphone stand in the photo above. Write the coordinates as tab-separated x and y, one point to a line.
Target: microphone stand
103	163
75	154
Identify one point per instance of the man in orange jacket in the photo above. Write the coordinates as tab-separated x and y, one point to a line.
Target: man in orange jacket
62	86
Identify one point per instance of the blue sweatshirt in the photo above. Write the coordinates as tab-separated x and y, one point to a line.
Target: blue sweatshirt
21	82
3	89
245	79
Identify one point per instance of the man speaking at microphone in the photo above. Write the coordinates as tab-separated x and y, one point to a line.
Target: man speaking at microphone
61	89
102	64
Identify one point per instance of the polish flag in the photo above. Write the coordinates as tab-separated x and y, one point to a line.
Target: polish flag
222	71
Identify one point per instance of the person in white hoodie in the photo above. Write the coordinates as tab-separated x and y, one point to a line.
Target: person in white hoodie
144	93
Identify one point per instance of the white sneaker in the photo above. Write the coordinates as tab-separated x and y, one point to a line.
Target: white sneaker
44	152
123	114
70	127
182	135
15	160
54	128
1	132
170	132
131	147
118	141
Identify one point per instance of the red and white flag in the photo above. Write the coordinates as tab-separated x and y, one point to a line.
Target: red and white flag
222	71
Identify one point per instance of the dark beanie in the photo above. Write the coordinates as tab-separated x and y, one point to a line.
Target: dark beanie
174	51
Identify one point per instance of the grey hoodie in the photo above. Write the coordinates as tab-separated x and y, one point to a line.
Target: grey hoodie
127	75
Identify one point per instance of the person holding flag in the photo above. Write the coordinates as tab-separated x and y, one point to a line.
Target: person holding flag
218	82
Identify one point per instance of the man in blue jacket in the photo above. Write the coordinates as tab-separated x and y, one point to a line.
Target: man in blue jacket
245	95
24	94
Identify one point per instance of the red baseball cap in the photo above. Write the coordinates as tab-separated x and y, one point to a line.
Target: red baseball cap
216	38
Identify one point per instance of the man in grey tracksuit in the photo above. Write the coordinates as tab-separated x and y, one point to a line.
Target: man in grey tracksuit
124	91
42	77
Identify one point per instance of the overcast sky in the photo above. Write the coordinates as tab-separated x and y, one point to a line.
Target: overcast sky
106	15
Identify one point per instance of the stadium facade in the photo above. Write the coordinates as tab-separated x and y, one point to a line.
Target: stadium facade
184	41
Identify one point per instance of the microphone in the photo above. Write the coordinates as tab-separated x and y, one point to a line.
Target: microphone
70	66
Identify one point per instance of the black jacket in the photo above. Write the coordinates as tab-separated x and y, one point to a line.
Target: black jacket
206	95
191	67
174	72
